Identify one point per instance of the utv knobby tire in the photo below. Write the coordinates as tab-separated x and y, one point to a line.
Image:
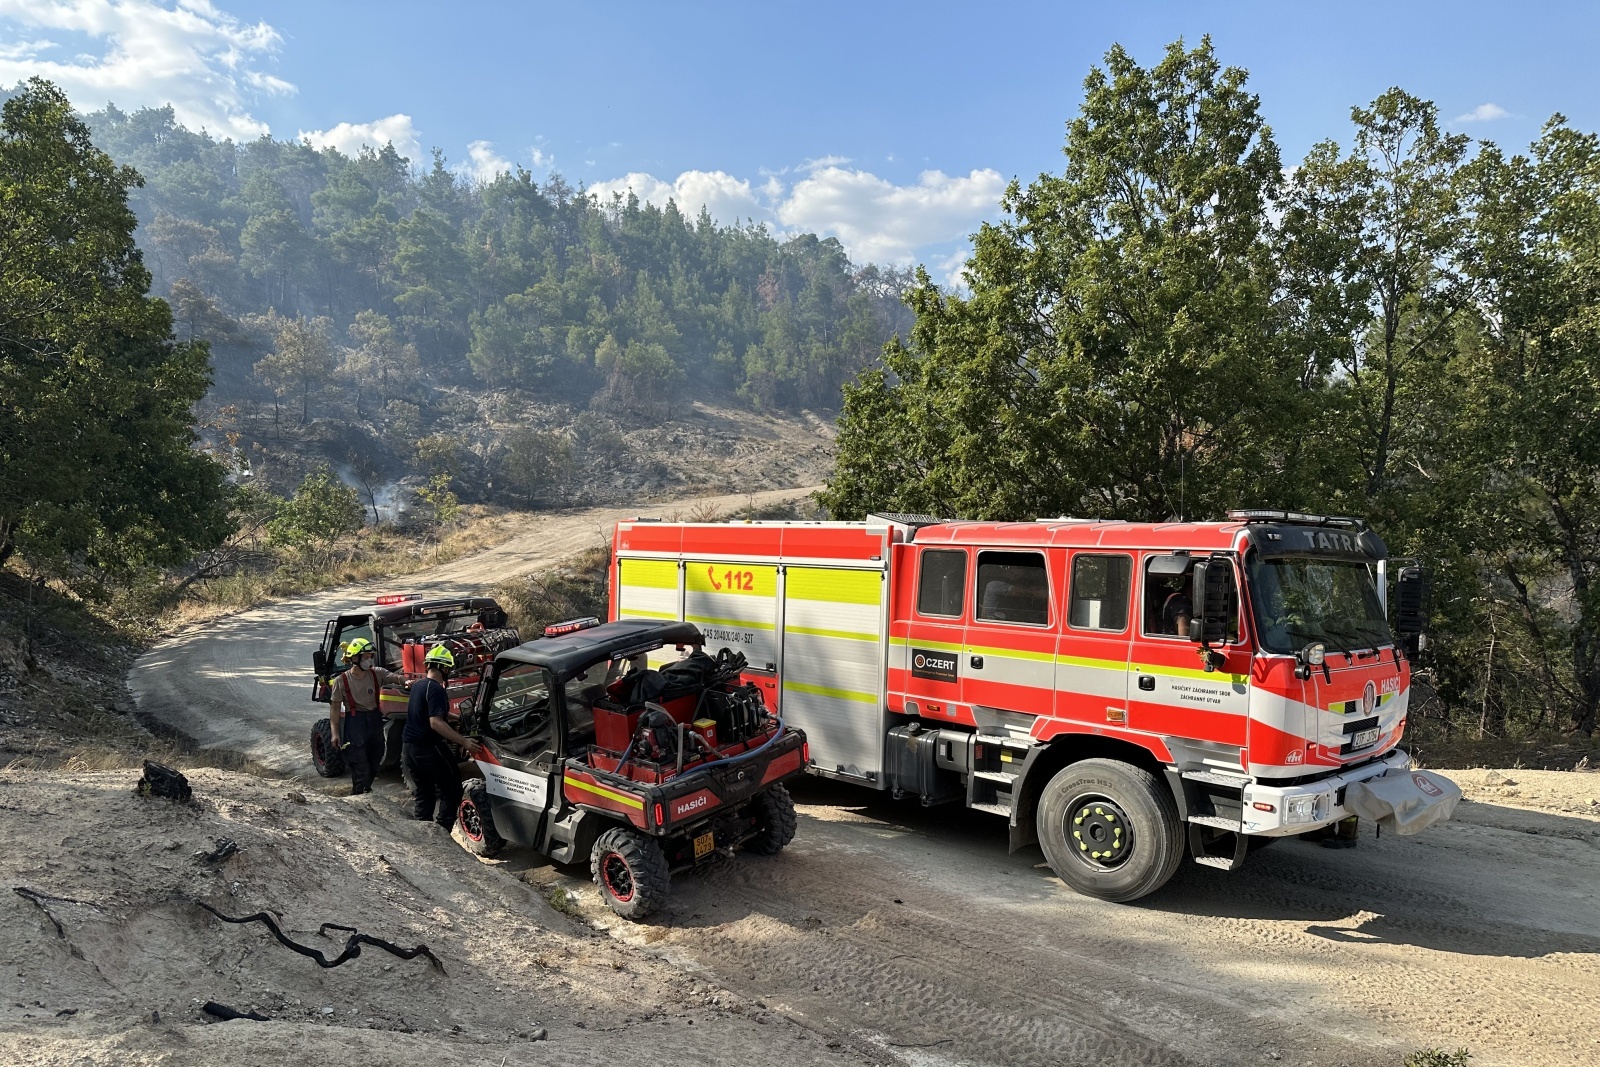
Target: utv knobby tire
1115	811
631	871
477	820
325	756
775	822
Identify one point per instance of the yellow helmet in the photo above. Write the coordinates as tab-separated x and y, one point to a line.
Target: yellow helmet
357	647
440	655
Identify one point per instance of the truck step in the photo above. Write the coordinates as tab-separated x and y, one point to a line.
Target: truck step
1003	777
1221	862
992	809
1227	781
1216	822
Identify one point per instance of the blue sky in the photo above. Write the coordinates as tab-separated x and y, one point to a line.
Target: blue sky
892	126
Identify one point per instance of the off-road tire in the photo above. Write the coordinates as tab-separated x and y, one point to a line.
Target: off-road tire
775	822
1126	818
631	871
393	727
327	759
477	820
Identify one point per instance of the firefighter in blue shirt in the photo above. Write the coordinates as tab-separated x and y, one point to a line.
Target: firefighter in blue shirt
435	775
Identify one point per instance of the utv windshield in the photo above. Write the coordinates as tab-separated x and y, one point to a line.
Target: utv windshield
1299	600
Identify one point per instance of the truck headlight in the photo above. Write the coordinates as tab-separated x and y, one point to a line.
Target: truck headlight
1301	809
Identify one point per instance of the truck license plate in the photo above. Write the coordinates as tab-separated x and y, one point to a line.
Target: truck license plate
1363	738
704	845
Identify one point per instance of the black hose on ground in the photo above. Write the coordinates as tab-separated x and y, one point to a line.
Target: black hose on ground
352	946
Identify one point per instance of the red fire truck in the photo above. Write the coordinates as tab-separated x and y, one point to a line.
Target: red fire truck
1122	692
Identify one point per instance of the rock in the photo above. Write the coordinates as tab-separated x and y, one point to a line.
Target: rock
327	1011
1496	778
537	1034
298	798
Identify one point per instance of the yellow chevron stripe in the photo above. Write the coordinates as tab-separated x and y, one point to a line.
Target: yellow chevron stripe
602	791
641	613
650	573
824	691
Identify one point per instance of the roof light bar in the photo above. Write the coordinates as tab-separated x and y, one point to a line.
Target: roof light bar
398	598
556	629
1296	517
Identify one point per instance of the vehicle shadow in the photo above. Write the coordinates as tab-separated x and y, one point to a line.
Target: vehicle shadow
1495	880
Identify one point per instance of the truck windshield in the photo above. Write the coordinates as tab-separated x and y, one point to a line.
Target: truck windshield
1299	601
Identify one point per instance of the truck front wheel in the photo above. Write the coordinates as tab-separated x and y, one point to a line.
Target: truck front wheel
327	759
631	871
1110	830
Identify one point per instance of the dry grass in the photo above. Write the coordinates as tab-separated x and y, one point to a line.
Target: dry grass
379	552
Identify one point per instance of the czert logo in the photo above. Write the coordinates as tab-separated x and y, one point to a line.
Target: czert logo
932	665
1369	698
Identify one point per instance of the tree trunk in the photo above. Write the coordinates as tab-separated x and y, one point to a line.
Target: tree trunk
8	539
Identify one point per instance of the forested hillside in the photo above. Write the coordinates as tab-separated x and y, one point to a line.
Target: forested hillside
509	283
1404	327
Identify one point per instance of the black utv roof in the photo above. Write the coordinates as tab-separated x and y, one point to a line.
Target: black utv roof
389	614
569	653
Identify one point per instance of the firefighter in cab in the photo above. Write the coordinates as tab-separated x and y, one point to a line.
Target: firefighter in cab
358	729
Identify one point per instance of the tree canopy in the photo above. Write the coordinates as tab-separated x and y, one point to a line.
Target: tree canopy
99	474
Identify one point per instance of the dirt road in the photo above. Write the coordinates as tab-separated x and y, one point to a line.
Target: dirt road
243	683
914	931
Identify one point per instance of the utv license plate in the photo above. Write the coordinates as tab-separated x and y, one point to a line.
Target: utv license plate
704	845
1363	738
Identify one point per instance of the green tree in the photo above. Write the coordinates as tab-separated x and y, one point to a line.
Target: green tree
302	358
322	510
1119	353
1533	398
380	360
1381	232
99	476
438	495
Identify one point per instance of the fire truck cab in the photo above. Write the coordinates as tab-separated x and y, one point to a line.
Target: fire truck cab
1123	693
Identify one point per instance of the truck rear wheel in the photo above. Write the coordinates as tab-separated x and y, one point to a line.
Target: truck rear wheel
1110	829
325	757
631	871
477	821
775	822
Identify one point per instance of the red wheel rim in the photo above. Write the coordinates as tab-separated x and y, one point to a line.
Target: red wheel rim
471	825
617	877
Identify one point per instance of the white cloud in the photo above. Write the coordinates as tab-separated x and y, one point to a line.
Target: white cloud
728	199
881	222
952	269
483	163
349	137
202	61
876	220
1484	113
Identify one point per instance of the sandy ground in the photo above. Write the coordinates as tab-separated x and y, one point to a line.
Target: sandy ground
115	968
898	933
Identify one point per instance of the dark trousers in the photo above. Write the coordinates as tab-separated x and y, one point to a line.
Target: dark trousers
435	780
364	731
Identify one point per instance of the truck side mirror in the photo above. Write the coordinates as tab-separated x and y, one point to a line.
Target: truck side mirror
319	662
468	720
1211	595
1413	607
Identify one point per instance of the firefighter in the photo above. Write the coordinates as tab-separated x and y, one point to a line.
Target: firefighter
360	731
435	776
